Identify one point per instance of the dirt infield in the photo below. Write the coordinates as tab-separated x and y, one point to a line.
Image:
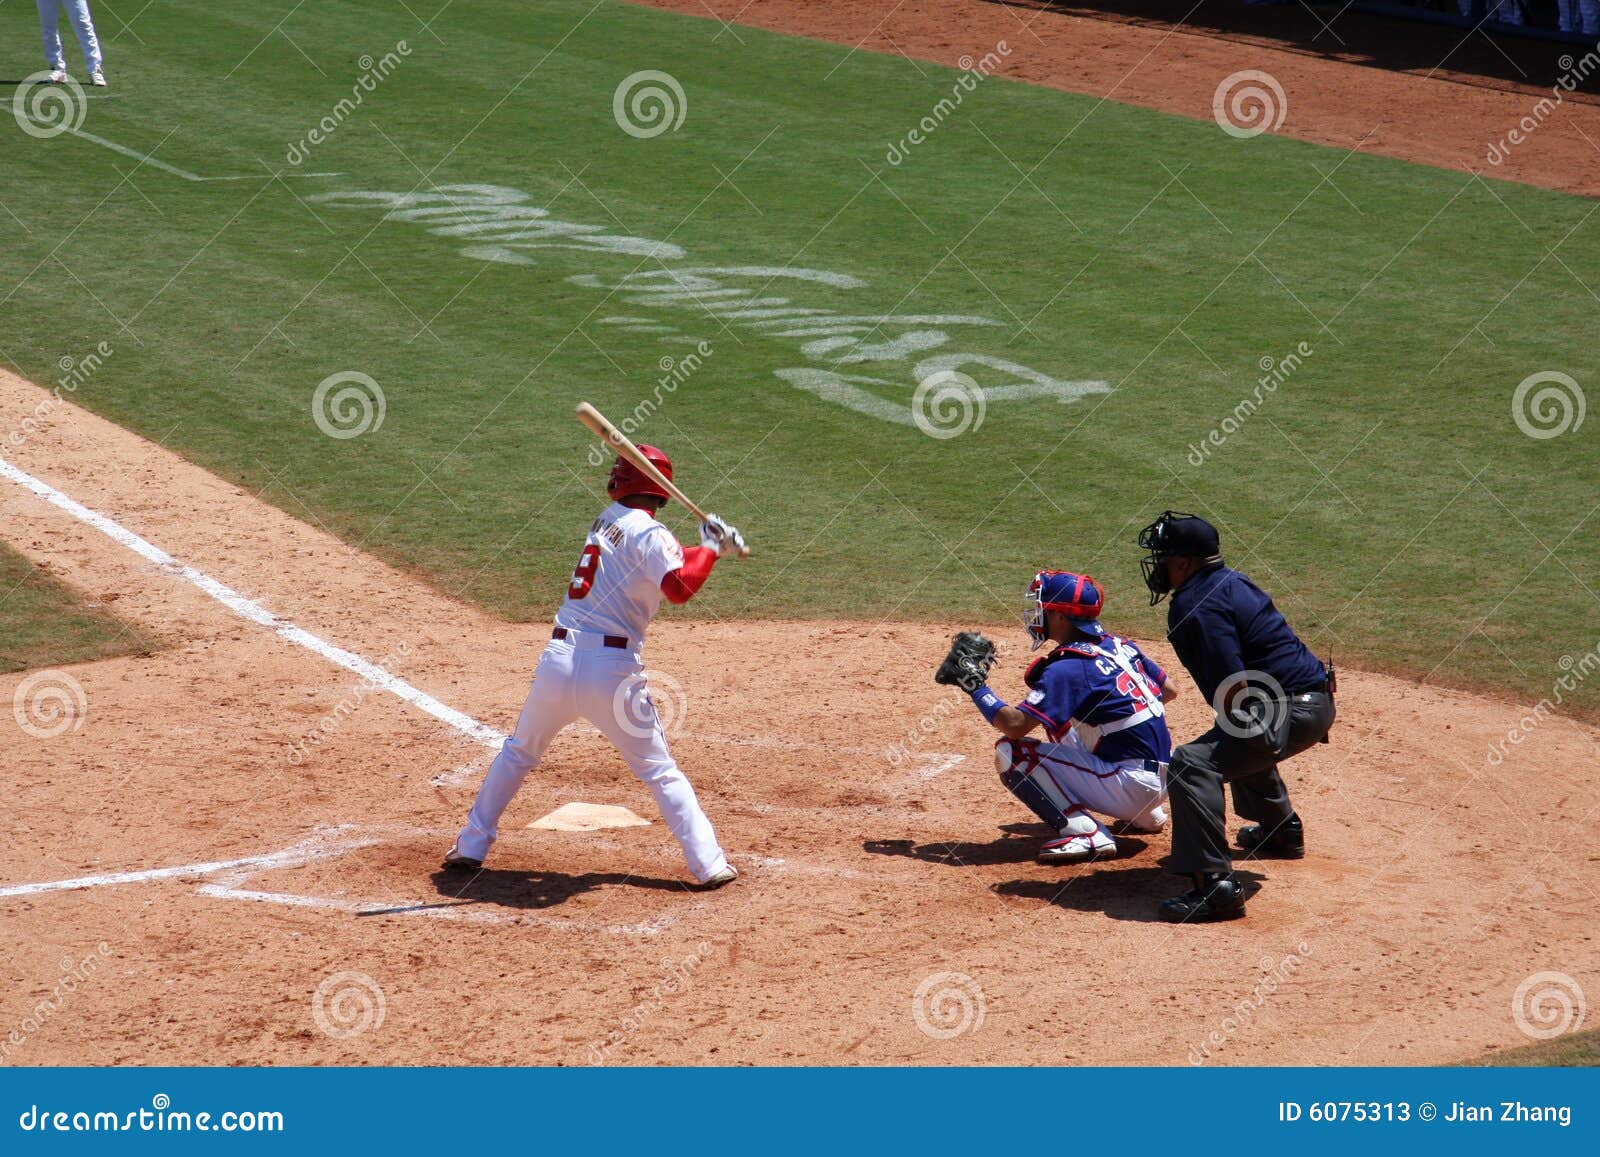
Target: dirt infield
1437	95
230	883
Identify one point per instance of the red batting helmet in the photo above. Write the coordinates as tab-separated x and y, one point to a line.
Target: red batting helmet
627	479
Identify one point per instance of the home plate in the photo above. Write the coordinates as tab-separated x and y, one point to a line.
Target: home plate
589	817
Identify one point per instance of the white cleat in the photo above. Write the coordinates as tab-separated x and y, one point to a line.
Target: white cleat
98	79
727	876
1077	849
58	76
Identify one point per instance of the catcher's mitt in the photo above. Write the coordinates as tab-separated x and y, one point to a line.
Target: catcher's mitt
967	665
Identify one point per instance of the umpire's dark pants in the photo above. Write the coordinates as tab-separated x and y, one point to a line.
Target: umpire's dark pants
1199	769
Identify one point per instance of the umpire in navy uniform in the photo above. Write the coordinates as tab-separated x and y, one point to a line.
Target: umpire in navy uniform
1272	697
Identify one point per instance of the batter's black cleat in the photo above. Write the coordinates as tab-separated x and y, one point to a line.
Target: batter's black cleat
1286	841
1221	899
454	861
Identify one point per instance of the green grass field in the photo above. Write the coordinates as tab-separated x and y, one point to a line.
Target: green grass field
1382	491
1572	1050
43	624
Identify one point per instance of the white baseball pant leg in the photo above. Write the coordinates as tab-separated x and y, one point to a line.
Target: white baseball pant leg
596	682
82	25
611	698
1125	791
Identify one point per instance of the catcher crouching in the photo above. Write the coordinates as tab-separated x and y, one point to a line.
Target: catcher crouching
1101	703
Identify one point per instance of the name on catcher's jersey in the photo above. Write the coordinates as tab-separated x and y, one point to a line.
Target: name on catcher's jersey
616	586
1109	692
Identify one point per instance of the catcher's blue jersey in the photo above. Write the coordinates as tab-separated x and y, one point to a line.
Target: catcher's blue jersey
1109	691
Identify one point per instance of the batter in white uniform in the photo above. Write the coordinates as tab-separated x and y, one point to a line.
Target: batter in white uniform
591	668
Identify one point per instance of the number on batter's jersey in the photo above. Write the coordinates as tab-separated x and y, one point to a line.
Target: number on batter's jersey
583	577
616	587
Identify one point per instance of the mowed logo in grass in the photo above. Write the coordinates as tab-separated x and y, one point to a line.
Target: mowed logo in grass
947	392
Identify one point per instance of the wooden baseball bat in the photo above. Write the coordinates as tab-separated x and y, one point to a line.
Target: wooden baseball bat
615	438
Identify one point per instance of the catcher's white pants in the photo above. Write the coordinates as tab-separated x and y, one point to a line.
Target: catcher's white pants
579	676
82	24
1125	791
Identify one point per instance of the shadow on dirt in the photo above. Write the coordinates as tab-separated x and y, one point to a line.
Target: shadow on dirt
1019	846
1121	893
529	890
1466	55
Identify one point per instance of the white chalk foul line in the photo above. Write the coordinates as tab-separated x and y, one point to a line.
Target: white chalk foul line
374	675
303	852
146	158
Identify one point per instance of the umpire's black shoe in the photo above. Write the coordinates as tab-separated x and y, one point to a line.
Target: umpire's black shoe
1286	841
1221	899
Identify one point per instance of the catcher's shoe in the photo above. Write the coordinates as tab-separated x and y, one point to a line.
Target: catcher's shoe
1286	841
1077	849
727	876
1221	899
1150	820
454	861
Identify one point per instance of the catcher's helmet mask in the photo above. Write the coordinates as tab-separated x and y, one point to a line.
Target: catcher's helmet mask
1175	535
1078	596
628	481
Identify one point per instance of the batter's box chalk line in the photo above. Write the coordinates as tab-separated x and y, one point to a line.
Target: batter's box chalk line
232	876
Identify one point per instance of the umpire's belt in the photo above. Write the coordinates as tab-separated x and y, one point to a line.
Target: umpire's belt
620	642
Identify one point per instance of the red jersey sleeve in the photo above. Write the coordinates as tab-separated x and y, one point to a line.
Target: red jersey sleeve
680	585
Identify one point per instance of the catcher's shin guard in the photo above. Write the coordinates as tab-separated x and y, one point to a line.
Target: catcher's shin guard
1018	761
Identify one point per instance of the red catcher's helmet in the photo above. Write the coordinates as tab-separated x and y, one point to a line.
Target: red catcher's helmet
1077	596
627	479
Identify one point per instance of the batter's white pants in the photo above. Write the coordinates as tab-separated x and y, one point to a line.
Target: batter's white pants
82	24
579	676
1131	790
